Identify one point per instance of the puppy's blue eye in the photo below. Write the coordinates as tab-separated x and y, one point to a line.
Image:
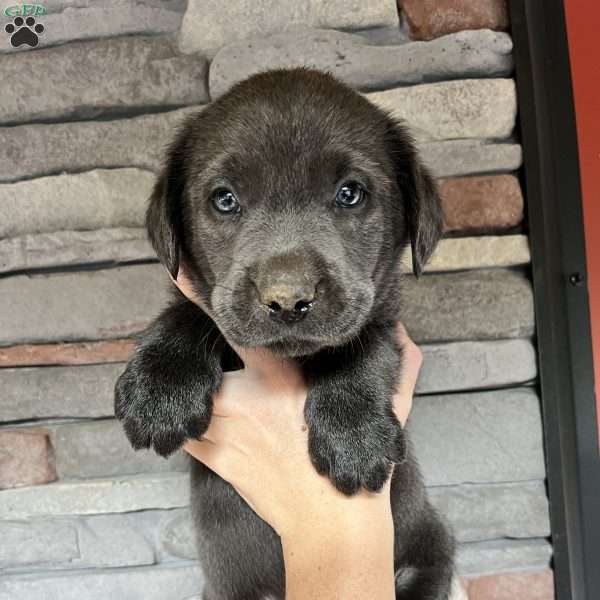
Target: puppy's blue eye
225	201
351	194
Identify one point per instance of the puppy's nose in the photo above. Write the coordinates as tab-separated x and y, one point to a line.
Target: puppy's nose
288	302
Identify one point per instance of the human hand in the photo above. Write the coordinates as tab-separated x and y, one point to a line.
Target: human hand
258	441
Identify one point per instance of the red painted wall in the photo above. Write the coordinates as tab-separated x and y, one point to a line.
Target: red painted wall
583	28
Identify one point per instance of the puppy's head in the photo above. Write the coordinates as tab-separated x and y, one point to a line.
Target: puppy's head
290	200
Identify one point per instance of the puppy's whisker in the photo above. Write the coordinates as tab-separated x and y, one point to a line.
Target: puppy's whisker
208	329
361	344
214	344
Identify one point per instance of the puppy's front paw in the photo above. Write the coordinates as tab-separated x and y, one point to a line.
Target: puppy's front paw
156	415
357	456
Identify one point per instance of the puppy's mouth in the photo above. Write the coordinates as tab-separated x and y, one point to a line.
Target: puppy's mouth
292	343
289	347
293	348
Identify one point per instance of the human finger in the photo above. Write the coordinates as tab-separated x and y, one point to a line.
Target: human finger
412	359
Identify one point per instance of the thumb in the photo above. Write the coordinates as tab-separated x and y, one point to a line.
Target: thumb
412	361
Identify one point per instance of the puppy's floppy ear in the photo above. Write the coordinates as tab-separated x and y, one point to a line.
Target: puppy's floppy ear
423	210
424	215
164	214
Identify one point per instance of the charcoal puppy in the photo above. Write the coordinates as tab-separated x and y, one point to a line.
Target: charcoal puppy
290	201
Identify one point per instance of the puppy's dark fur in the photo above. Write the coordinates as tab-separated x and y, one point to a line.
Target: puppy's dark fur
283	143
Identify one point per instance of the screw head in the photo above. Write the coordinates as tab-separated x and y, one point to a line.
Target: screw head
576	279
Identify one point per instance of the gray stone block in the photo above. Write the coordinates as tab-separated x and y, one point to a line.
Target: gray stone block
96	496
483	437
471	305
113	541
42	149
58	392
467	157
354	60
112	18
111	530
460	454
87	79
175	581
111	303
101	449
483	252
37	543
209	24
476	365
475	513
490	437
72	542
65	248
468	108
92	200
108	304
143	537
177	536
87	391
486	512
503	555
57	6
158	528
114	246
389	35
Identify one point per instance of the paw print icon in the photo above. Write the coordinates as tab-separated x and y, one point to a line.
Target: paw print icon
24	31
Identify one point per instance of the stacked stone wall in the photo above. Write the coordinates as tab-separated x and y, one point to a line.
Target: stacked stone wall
84	119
